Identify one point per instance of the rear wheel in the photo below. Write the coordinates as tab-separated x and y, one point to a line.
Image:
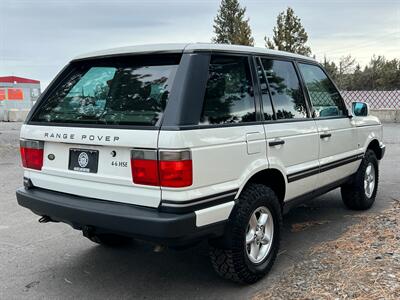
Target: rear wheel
360	193
251	242
111	240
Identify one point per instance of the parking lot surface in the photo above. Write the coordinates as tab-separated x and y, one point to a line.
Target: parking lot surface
53	261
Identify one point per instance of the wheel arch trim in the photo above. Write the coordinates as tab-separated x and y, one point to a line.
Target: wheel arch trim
261	175
376	146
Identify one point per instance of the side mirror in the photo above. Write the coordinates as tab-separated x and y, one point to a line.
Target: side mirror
360	109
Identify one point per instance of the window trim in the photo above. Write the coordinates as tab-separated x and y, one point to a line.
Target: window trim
256	60
345	110
294	64
305	91
256	89
171	119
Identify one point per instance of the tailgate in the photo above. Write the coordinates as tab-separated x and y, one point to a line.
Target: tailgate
107	178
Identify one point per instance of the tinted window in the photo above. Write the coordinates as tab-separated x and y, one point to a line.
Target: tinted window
287	96
130	91
229	92
266	100
324	97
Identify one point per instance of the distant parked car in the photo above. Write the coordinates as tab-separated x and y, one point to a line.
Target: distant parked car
179	143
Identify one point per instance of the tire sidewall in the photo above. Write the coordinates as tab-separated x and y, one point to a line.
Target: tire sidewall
369	158
239	232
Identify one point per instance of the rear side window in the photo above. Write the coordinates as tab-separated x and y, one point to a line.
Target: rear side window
113	91
229	93
324	97
286	92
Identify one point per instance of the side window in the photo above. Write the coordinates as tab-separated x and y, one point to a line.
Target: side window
229	93
266	99
324	97
287	96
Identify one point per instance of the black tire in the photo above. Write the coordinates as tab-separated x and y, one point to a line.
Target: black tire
111	240
229	254
353	193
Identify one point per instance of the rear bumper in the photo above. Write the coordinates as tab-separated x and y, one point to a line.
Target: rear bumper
113	217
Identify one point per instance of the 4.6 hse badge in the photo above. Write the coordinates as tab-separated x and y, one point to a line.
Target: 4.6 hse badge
122	164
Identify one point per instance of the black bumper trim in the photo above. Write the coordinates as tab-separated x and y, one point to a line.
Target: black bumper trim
114	217
198	203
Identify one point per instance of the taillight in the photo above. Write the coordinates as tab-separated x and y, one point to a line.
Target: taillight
144	165
175	168
32	154
168	168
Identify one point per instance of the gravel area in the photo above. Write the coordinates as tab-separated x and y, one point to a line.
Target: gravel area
363	263
9	140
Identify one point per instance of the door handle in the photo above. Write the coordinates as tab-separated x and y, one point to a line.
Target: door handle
325	135
276	142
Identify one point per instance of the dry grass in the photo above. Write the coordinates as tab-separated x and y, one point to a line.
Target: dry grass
364	263
305	225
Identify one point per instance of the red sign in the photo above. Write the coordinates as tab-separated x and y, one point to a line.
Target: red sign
2	94
15	94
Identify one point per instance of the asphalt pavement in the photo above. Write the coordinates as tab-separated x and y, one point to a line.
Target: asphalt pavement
53	261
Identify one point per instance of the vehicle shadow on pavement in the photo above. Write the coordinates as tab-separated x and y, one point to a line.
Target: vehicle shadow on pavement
137	271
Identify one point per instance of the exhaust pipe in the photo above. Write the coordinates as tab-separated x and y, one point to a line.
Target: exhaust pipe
45	219
88	231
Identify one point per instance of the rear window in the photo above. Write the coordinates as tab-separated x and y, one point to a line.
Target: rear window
112	91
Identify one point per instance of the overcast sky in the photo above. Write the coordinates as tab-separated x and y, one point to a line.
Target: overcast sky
38	37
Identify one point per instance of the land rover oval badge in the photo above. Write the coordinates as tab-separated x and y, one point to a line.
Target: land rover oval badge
83	159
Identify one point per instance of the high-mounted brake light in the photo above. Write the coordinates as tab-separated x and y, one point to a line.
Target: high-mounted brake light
32	154
167	168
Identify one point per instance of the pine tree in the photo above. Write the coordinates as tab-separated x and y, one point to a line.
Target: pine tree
331	68
230	25
289	34
379	74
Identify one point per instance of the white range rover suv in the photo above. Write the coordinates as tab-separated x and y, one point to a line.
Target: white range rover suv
178	143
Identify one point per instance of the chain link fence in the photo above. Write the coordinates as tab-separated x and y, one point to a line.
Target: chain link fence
375	99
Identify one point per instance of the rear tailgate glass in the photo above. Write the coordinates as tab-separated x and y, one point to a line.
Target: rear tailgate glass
111	91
